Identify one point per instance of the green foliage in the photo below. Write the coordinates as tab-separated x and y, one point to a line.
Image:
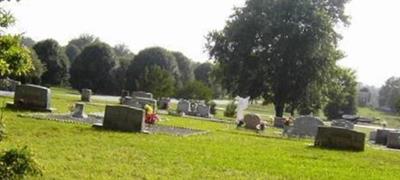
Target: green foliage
72	51
17	164
341	94
14	58
2	125
28	42
55	60
150	57
202	73
92	69
34	76
157	81
230	110
6	19
213	107
389	93
275	49
195	90
185	66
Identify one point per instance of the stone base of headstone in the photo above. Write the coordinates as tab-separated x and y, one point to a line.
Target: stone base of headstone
340	138
10	105
393	140
279	122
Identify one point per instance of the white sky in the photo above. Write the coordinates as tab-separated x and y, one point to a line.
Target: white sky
370	43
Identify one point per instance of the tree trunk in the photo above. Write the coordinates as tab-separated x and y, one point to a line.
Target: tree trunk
279	108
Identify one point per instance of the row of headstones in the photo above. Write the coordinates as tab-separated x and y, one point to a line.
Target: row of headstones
339	136
388	138
193	109
138	99
119	117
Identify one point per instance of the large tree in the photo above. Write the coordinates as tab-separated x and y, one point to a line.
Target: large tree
55	60
156	80
150	57
185	66
76	46
92	69
275	49
203	72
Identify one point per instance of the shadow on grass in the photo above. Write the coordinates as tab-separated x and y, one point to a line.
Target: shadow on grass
333	149
259	135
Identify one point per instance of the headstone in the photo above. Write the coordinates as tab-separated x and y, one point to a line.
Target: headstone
306	126
125	100
203	110
252	121
242	105
142	94
342	123
340	138
86	95
144	101
124	93
279	122
193	108
372	136
79	111
124	118
164	103
8	84
393	140
381	136
183	107
32	97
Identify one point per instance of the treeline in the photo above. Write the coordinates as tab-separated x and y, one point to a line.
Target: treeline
87	62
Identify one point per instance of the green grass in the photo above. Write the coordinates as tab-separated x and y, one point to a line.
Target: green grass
76	151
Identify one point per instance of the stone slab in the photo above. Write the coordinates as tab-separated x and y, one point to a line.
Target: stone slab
340	138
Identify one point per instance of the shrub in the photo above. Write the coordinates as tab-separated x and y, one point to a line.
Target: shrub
230	110
213	107
18	163
2	125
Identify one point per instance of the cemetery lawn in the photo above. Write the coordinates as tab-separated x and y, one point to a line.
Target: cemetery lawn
77	151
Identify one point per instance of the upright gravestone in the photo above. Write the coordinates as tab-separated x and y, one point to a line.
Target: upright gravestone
79	111
381	136
203	110
142	94
279	122
306	126
342	123
86	95
123	118
32	97
393	140
340	138
145	101
183	107
164	103
253	121
372	136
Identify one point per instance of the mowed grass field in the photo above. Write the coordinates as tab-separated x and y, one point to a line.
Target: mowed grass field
78	151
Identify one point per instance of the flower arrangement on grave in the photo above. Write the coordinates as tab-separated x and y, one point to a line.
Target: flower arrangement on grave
151	117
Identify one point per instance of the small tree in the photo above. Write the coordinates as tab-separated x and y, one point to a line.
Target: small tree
157	81
17	164
341	94
230	110
195	90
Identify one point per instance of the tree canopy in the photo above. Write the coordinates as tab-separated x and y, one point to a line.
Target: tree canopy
92	69
150	57
276	49
55	60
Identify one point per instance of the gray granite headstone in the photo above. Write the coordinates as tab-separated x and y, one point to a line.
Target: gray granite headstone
339	138
381	136
79	111
124	118
393	140
203	110
372	136
183	106
164	103
342	123
306	126
142	94
279	122
252	121
86	95
32	97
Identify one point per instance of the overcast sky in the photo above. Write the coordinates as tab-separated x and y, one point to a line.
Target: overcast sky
370	43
